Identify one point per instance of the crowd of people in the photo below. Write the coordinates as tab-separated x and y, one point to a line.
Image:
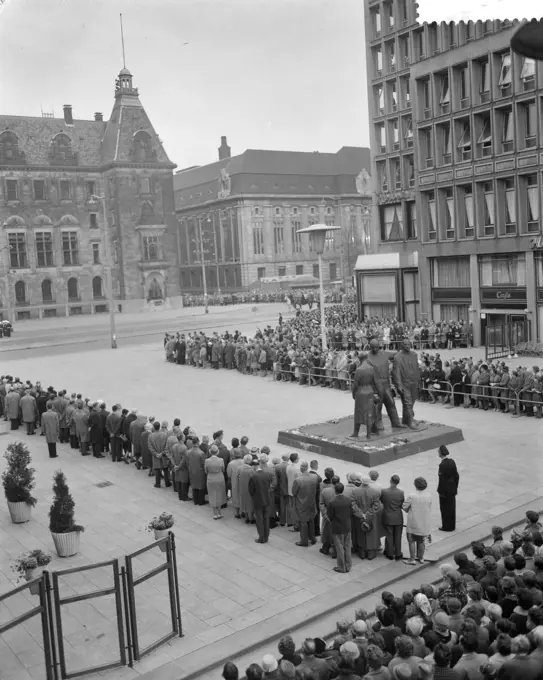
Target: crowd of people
292	352
483	620
295	298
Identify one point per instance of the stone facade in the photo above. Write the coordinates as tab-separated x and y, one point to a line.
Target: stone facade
54	253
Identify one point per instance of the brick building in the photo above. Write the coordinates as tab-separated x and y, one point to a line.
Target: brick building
249	207
456	152
53	232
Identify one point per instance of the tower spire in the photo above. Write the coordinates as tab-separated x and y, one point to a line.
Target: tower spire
122	40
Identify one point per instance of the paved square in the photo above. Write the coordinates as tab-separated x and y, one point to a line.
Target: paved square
228	583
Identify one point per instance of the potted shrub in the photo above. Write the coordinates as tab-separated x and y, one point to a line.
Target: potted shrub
64	530
160	526
30	566
18	481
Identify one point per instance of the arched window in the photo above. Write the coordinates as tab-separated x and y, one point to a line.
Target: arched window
20	292
73	289
97	289
143	149
47	290
61	147
9	148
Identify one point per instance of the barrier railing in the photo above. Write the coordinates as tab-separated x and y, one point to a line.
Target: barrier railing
45	612
123	587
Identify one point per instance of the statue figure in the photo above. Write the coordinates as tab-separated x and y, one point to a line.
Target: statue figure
365	396
155	290
363	181
379	359
406	379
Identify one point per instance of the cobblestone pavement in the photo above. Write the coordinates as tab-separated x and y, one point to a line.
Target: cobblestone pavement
228	583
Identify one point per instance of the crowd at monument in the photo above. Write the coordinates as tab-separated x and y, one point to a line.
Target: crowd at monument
483	620
292	352
296	298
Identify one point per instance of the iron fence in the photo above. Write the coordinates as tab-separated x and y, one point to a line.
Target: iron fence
51	604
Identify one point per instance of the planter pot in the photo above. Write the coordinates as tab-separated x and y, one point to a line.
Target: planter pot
161	533
31	575
19	512
66	544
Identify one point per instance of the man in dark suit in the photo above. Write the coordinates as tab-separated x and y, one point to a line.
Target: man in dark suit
339	515
304	493
282	483
392	500
260	487
447	489
455	378
313	467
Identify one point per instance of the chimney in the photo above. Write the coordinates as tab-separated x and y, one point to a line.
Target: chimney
99	117
224	149
68	117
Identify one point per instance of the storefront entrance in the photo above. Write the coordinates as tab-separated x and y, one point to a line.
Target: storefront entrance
503	332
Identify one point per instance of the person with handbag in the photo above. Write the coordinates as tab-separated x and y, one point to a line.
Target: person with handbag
365	504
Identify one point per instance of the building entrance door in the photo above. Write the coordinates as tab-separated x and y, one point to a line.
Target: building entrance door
503	333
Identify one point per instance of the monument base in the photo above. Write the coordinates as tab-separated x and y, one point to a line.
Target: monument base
333	438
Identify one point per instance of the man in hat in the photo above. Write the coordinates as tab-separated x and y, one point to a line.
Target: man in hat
95	431
29	411
304	495
113	427
338	514
157	447
261	486
365	504
282	485
135	431
392	500
51	429
270	668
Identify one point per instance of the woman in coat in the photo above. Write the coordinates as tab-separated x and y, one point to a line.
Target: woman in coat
235	463
12	408
245	472
418	506
146	460
216	488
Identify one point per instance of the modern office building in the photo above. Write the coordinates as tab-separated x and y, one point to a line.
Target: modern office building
53	236
243	213
456	153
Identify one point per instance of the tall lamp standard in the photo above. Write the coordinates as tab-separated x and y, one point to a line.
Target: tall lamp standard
203	263
317	234
6	250
109	267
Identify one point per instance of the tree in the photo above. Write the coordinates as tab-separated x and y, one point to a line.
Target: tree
18	478
61	514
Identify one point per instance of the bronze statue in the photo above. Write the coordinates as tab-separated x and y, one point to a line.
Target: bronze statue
365	396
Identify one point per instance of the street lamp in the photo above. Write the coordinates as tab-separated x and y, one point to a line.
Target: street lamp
109	266
528	39
317	234
6	250
202	260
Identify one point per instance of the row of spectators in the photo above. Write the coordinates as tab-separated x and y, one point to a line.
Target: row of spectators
483	620
296	298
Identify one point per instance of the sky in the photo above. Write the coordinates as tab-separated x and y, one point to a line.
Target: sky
268	74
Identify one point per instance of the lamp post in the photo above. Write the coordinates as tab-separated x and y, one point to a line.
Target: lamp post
109	267
317	234
202	260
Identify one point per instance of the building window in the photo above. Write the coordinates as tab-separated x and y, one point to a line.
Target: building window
507	129
464	87
151	248
278	238
500	270
393	93
469	212
39	190
258	238
409	164
93	220
445	94
61	149
395	135
145	185
449	214
17	251
532	204
431	215
9	148
381	137
261	272
281	271
316	271
506	74
510	206
418	44
485	138
70	249
408	131
396	173
12	190
95	253
527	74
464	145
44	249
296	225
427	147
450	272
445	143
299	269
378	61
412	231
65	190
484	81
376	19
390	48
489	216
392	222
425	96
47	291
333	271
529	121
90	189
73	289
20	292
97	288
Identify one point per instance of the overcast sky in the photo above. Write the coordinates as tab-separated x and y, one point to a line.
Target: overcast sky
269	74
